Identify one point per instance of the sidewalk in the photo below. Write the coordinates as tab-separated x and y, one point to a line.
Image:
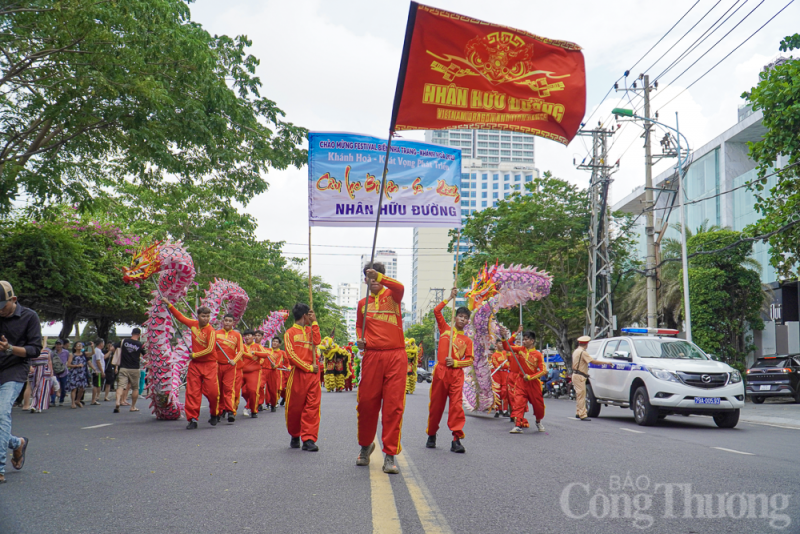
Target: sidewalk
776	411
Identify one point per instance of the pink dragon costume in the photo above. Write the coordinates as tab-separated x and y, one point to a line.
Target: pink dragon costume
167	364
495	288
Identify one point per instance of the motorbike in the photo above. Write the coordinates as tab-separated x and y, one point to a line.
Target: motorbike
557	389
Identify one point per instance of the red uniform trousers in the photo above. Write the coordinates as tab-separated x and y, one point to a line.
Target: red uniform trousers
237	388
522	392
269	393
226	374
284	379
501	379
201	380
303	394
447	383
383	380
250	381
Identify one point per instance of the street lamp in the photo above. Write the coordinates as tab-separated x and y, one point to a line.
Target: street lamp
621	112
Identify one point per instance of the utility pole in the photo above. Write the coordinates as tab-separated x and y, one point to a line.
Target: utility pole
599	313
439	292
649	229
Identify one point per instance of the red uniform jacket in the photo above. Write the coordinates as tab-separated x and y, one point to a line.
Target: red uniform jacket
232	345
500	359
280	359
300	342
531	362
203	339
385	321
254	355
462	345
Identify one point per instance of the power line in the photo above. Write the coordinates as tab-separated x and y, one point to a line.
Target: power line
684	35
719	41
664	36
703	36
729	53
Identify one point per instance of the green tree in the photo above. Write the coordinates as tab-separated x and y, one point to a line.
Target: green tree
777	95
95	95
725	293
548	229
67	269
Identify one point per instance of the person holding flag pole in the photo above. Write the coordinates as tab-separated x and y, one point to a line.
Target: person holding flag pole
524	380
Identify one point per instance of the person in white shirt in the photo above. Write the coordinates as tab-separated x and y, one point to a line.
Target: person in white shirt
98	368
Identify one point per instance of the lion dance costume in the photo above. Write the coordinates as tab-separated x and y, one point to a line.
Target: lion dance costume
412	350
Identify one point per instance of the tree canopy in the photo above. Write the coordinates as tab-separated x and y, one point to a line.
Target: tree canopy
777	95
98	94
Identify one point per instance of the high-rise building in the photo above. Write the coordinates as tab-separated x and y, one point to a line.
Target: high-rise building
347	299
494	165
347	295
389	260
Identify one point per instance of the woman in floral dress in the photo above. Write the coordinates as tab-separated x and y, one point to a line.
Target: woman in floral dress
77	381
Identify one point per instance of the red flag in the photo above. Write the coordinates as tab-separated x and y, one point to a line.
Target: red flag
460	72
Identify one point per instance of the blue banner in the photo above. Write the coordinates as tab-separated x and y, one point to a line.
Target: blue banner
423	186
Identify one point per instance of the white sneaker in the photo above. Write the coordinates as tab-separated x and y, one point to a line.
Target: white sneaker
515	430
540	427
246	412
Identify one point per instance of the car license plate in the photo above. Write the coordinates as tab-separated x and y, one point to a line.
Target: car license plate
764	388
706	400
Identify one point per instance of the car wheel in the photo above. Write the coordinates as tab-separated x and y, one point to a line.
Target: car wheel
727	419
429	379
420	380
592	407
757	400
643	411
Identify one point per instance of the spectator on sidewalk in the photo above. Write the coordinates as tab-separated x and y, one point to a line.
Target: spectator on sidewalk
111	375
61	353
77	375
40	380
98	369
20	340
131	351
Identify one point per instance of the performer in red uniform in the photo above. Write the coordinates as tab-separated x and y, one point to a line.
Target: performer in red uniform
382	389
270	380
448	376
253	357
527	366
282	361
201	375
230	350
500	371
303	392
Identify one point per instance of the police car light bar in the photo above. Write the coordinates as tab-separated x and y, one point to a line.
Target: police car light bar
659	331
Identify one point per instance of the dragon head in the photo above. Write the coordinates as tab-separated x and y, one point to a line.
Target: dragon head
483	288
144	264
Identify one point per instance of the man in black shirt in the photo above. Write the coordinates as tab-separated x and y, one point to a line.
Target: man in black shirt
20	340
131	351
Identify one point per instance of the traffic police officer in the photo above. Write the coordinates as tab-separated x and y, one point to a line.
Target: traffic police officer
580	373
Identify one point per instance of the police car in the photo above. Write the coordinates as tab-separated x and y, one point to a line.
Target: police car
656	376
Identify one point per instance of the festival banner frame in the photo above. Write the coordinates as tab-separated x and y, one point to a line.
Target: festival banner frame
343	191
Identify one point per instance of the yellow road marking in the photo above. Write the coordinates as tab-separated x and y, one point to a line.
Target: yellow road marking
384	510
432	519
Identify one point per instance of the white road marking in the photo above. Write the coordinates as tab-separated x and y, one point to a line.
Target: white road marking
733	451
772	424
96	426
634	431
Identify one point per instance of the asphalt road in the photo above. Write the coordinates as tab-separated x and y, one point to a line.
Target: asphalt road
139	475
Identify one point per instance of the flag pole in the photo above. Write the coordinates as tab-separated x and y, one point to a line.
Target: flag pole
375	235
455	284
310	294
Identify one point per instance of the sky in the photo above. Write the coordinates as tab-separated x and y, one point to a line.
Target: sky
332	66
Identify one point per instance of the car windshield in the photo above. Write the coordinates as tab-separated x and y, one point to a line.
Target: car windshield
674	349
772	362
